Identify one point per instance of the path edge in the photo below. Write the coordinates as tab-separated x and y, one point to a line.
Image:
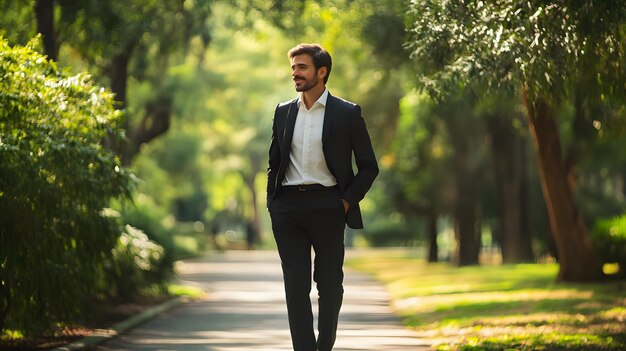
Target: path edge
123	326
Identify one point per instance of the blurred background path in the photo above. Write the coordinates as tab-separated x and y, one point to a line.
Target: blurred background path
245	310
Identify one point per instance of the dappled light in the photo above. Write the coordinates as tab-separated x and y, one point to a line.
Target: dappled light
525	301
134	164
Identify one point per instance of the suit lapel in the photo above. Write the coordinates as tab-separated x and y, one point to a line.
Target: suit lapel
290	124
328	117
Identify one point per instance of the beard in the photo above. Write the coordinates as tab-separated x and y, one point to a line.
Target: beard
308	84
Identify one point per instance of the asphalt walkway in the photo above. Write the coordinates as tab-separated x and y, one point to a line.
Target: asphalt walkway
245	310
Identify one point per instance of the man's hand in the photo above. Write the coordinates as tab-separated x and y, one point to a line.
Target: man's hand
346	206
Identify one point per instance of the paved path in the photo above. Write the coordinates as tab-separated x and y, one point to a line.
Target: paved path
245	310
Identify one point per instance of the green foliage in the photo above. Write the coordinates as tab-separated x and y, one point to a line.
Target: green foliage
16	21
104	29
136	264
541	46
143	214
56	180
422	152
609	239
281	13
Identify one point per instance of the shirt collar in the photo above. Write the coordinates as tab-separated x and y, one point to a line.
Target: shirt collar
322	99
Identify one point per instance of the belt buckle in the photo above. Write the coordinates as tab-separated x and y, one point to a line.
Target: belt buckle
302	188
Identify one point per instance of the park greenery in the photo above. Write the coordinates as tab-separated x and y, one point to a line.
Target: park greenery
57	180
498	307
135	133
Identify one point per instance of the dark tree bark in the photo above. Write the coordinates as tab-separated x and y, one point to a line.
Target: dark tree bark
44	11
118	75
466	234
433	248
509	160
466	212
525	226
256	222
255	163
577	259
5	302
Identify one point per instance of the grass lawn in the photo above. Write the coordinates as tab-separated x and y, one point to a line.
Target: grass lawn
503	307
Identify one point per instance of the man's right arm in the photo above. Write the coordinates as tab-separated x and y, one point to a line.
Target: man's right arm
274	161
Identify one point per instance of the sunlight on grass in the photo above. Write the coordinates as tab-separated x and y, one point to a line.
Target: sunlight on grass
550	341
185	290
11	335
505	307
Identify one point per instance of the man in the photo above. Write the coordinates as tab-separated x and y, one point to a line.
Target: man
312	192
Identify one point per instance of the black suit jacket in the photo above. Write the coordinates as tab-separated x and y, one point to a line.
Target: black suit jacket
343	134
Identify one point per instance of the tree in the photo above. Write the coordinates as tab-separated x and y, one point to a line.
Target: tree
121	41
139	40
57	181
508	143
44	10
466	137
536	48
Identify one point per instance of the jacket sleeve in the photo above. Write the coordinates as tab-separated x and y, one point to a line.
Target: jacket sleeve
367	167
274	161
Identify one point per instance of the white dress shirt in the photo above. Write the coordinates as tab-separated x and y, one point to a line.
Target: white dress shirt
307	164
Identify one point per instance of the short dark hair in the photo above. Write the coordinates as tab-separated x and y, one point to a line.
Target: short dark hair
321	57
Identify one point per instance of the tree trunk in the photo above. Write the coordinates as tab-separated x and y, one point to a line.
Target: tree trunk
118	75
465	212
256	221
44	11
433	248
525	198
466	234
255	166
577	260
5	302
507	148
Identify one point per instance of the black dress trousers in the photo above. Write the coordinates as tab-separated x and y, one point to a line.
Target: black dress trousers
302	220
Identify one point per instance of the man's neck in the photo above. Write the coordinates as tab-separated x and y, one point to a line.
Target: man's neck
310	96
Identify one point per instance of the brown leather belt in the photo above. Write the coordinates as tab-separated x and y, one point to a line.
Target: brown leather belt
307	187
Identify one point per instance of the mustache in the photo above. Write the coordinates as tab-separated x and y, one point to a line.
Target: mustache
299	77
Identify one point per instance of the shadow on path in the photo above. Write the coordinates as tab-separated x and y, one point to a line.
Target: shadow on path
245	310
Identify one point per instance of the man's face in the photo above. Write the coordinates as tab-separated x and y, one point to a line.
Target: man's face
304	74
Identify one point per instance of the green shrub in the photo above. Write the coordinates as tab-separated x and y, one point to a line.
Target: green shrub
609	239
145	215
56	179
136	264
